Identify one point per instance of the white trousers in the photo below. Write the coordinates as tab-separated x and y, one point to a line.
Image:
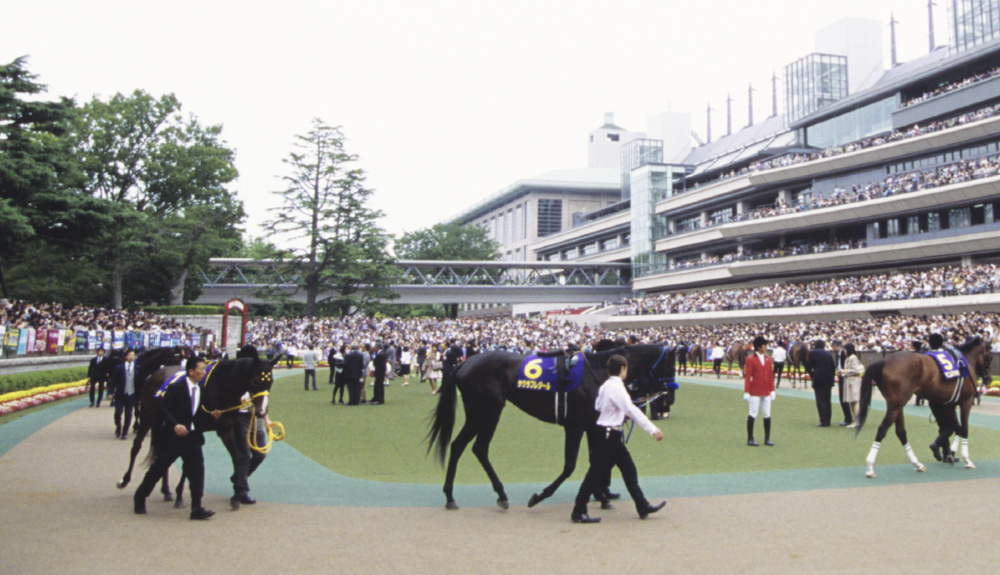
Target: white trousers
763	404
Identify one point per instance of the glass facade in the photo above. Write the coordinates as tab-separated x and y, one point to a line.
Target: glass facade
875	118
549	217
649	184
973	22
814	82
635	154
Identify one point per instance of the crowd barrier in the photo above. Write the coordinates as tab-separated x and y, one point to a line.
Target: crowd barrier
28	342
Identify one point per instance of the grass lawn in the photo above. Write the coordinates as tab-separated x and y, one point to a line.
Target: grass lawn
706	433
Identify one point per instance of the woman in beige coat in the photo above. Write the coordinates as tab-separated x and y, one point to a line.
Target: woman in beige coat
852	372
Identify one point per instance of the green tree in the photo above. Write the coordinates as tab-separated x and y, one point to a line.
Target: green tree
163	177
340	252
39	208
448	242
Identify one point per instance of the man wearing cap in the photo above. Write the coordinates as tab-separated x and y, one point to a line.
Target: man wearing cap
758	390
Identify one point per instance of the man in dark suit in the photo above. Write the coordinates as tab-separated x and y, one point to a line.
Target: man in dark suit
97	375
379	363
176	436
123	383
354	365
822	369
452	357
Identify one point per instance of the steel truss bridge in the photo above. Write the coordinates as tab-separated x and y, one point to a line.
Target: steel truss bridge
434	282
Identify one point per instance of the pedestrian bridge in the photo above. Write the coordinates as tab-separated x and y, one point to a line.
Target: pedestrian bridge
433	282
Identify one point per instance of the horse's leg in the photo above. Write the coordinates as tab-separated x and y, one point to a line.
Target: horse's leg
457	447
883	429
179	503
901	434
481	448
570	454
140	435
963	430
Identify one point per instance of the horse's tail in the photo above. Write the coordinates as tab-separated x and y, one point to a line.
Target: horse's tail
873	373
443	420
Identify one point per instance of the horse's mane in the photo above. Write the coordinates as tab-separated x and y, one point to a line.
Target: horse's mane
236	369
970	343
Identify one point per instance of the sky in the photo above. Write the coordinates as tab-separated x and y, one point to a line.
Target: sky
445	102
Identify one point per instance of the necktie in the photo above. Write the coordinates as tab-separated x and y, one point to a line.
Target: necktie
194	400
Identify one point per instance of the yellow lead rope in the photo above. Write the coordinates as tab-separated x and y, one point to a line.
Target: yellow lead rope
252	428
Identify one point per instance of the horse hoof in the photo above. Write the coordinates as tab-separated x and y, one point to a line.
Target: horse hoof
871	475
179	504
503	504
121	484
451	506
168	497
921	468
534	500
970	465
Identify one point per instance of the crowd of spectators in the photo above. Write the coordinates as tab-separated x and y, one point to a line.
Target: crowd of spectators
893	185
952	86
797	249
936	282
20	314
525	335
862	144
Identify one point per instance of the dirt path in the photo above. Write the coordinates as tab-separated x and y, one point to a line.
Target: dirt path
60	513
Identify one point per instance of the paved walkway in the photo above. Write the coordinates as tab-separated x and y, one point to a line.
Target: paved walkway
60	513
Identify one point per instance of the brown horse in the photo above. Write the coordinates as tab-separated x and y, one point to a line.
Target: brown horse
695	357
902	375
736	352
223	388
798	354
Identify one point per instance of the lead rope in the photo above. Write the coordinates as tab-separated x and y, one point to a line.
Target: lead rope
252	428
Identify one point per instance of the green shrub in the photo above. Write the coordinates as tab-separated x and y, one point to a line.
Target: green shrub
30	379
188	310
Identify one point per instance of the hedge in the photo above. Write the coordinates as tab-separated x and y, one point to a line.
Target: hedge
30	379
187	310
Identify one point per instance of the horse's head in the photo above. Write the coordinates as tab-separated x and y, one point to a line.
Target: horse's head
650	370
979	354
261	380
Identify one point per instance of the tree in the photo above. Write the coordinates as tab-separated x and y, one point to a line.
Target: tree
339	252
163	177
448	242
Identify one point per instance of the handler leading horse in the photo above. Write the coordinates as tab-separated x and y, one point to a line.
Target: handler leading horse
488	380
902	375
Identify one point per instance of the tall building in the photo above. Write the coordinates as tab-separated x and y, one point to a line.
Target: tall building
972	23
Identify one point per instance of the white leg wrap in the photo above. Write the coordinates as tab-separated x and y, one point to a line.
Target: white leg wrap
870	460
913	457
965	455
954	444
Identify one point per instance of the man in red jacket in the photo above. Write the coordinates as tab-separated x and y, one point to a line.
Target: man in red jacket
758	390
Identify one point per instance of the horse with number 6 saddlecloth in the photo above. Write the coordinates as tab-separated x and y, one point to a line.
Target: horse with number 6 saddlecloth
223	386
489	380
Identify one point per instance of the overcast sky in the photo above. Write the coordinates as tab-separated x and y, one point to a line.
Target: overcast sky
445	102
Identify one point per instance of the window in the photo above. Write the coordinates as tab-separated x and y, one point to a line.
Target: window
510	227
549	217
590	249
610	244
892	228
518	230
959	218
933	222
913	225
613	137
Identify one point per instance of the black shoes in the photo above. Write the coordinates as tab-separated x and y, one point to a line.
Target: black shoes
583	518
844	423
375	403
124	436
118	432
752	443
139	505
245	499
607	505
768	443
651	509
200	513
822	425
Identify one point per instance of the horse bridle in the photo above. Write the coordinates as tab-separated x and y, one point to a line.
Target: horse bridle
663	381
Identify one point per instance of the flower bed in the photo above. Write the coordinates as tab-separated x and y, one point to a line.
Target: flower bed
17	400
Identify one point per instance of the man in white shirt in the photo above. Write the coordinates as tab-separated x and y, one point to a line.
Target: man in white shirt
614	404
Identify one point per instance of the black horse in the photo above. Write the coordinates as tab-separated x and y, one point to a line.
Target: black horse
488	380
225	384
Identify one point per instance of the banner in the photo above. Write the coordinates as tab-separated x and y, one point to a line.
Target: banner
3	336
175	339
12	336
52	341
41	340
118	340
92	341
154	339
29	336
72	343
129	339
22	341
194	339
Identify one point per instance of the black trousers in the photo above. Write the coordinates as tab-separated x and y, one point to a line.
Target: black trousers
126	403
717	366
845	407
378	393
822	393
609	452
99	383
353	392
310	373
245	460
339	383
188	448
